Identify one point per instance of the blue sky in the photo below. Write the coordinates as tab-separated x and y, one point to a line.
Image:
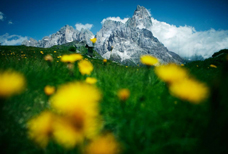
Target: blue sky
39	18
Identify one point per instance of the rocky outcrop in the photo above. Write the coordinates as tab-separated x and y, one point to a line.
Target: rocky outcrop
132	39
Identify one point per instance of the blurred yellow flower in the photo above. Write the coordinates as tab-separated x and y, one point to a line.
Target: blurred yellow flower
123	94
71	96
148	60
76	56
85	67
49	90
93	40
105	144
105	60
213	66
40	128
171	73
48	58
91	80
65	134
54	51
189	90
11	83
41	52
67	59
78	101
182	64
71	58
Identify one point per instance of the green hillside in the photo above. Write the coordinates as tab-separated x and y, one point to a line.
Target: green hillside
150	121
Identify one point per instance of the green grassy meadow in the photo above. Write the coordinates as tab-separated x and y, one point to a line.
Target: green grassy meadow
151	121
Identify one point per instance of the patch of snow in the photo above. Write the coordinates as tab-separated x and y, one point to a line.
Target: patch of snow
106	55
141	26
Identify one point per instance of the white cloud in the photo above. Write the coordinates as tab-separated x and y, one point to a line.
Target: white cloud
186	41
1	16
114	19
10	22
86	26
7	39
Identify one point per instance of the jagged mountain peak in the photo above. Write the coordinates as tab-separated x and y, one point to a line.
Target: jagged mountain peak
132	39
140	19
67	28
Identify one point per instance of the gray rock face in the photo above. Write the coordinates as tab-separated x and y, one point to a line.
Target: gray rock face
31	42
65	35
131	40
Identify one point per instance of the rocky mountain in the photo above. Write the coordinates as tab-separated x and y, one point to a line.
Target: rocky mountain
65	35
132	39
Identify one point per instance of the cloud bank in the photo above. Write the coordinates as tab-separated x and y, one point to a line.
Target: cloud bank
7	39
115	19
186	41
1	16
79	26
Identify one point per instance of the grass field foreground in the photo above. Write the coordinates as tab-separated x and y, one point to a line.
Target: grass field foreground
145	118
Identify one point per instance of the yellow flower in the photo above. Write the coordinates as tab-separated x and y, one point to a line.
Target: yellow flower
182	64
40	128
67	59
76	56
79	103
171	73
49	90
71	58
74	95
148	60
11	83
189	90
54	51
213	66
105	60
48	58
85	67
123	94
91	80
105	144
93	40
41	52
65	134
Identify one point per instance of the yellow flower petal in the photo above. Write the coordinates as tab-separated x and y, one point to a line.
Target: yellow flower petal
91	80
40	128
189	90
171	73
49	90
105	144
148	60
85	67
123	94
11	83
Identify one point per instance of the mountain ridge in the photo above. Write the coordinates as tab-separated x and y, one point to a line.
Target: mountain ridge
66	34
